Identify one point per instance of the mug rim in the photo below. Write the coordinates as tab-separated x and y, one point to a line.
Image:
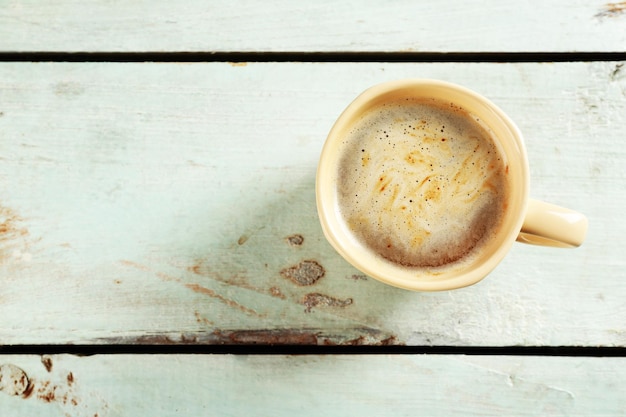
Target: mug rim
383	270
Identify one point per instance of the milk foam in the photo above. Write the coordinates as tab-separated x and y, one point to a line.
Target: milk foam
421	183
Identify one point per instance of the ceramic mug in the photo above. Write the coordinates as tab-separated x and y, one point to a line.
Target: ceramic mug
523	219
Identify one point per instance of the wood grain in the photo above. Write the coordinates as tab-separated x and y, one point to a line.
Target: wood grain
321	26
159	203
345	385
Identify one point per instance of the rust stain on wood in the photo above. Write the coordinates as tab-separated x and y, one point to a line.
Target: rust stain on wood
29	391
61	391
290	336
48	392
312	300
305	273
266	337
47	362
14	381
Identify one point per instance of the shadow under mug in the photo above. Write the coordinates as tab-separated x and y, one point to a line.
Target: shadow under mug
525	220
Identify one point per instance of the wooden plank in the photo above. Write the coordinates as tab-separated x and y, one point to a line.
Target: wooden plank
278	25
159	203
345	385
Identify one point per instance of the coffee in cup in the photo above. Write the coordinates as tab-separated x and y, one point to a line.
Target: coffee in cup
424	185
421	182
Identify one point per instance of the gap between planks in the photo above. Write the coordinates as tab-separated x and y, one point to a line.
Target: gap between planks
190	348
289	56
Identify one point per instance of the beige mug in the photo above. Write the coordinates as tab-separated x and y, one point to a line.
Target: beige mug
506	210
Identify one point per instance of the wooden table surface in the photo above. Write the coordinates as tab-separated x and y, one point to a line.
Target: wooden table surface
157	172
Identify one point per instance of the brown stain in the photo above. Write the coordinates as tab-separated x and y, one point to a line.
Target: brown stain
276	292
612	9
433	191
312	300
47	363
267	337
242	239
414	157
207	291
238	64
60	389
201	319
422	182
384	182
195	287
295	240
306	273
28	392
11	231
204	269
49	392
195	269
135	265
239	279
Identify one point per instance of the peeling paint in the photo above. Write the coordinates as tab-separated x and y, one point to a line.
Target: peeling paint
305	273
312	300
295	240
313	337
267	337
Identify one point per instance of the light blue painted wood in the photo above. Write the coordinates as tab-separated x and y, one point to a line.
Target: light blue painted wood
153	203
279	25
346	385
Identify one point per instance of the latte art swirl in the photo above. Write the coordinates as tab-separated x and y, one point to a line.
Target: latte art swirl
421	183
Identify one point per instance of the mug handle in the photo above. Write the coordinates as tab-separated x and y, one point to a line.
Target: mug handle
549	225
